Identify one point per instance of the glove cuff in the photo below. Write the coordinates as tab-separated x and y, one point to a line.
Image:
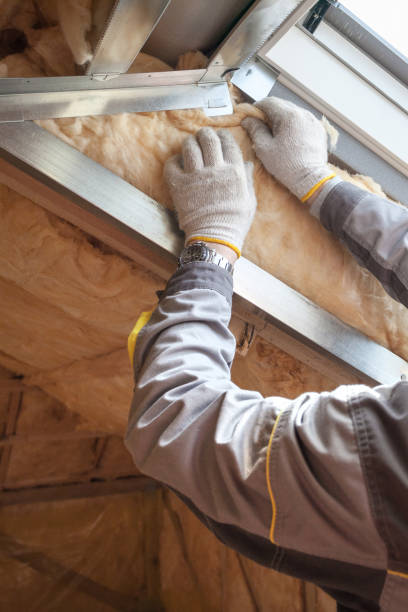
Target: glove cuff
309	187
207	238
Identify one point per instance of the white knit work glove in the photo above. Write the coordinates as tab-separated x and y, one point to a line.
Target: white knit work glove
212	189
292	146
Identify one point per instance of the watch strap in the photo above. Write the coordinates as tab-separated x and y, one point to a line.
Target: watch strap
199	251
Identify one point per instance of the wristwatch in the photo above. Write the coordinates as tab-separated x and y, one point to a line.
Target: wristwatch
199	251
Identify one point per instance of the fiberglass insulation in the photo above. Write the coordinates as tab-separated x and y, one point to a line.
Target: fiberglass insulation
68	302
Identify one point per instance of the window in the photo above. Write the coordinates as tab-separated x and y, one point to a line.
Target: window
342	68
388	20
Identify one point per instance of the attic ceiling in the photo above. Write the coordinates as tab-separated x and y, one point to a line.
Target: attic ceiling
69	301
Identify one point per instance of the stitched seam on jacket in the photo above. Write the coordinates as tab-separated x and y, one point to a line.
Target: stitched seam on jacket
364	451
386	595
279	557
281	519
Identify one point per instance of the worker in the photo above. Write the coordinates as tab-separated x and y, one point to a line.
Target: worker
315	487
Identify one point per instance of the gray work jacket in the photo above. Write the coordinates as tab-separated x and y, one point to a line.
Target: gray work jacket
315	487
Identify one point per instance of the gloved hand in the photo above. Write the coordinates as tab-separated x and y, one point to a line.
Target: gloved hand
292	146
212	189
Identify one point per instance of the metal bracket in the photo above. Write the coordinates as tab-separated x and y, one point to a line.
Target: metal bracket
255	79
104	76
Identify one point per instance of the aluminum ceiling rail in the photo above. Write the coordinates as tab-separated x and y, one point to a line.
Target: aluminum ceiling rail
129	25
263	20
74	96
133	20
50	172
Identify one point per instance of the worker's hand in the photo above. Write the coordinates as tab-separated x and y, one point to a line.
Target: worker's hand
212	189
292	146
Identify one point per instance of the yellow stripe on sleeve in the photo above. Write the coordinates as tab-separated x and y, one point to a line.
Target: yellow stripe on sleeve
141	322
268	480
400	574
316	187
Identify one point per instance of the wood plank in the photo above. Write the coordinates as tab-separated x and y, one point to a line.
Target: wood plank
65	576
55	436
100	446
152	519
11	424
62	492
75	478
12	385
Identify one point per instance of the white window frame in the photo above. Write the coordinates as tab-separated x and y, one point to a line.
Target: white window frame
338	79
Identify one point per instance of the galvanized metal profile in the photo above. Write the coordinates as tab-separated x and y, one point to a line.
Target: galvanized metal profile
193	24
129	25
74	96
42	167
263	20
358	33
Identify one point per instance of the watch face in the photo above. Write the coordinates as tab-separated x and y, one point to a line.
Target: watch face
197	252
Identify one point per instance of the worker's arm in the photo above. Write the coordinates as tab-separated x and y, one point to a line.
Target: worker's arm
262	472
300	485
254	464
190	426
293	147
287	471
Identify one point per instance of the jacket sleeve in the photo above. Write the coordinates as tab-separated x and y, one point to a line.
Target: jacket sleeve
259	464
375	231
190	426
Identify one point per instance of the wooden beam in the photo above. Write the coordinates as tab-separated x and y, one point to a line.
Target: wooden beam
12	385
152	511
11	424
98	474
99	449
120	486
67	578
55	436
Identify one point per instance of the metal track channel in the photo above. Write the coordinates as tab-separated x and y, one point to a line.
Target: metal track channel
50	172
129	25
51	97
